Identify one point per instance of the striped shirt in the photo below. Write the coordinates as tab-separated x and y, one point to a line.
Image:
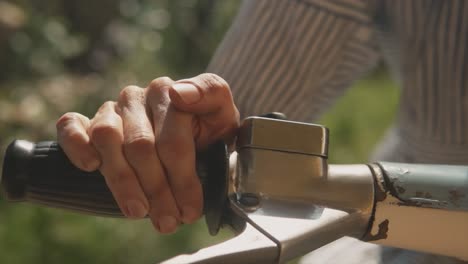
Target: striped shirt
299	56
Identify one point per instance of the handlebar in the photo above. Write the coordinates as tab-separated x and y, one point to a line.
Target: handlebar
41	173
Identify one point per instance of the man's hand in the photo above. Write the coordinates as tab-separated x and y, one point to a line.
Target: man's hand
144	144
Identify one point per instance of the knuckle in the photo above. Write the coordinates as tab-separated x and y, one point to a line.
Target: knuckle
103	132
66	119
129	93
68	128
161	81
71	135
158	91
141	143
108	105
159	86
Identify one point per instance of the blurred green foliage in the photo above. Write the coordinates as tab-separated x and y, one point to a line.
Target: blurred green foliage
59	56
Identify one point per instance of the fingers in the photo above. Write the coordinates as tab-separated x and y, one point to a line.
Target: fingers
208	96
176	149
145	145
140	152
73	138
177	152
106	134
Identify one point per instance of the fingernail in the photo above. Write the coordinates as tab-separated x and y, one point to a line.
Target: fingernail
136	209
189	214
187	92
167	224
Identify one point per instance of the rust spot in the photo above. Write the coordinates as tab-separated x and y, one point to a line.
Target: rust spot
423	202
379	194
400	189
381	234
408	203
423	195
379	183
456	196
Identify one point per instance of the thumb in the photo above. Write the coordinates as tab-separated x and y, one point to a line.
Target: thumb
209	97
203	94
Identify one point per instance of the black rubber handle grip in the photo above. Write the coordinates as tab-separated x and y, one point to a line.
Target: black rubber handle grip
41	173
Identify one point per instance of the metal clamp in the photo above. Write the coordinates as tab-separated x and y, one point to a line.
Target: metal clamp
286	194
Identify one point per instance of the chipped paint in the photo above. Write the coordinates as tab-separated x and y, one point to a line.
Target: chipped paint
380	190
456	196
402	171
381	233
421	203
430	186
400	189
422	194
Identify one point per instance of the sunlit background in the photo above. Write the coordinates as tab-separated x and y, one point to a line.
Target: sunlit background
59	56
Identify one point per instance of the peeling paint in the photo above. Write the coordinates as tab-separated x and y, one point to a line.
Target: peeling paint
421	194
403	171
380	190
427	203
400	189
379	194
381	234
456	196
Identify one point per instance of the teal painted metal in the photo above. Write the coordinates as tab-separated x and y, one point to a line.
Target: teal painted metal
434	186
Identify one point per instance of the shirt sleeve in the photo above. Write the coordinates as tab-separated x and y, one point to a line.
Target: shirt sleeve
295	56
